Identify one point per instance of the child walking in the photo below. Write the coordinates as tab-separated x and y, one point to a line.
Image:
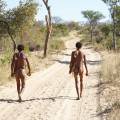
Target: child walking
19	61
77	63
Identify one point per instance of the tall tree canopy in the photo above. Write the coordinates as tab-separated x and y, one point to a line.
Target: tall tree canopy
57	20
118	20
113	6
18	20
48	19
22	17
93	17
2	6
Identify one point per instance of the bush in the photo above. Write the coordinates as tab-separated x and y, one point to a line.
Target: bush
5	58
110	79
111	67
57	45
118	43
105	29
60	30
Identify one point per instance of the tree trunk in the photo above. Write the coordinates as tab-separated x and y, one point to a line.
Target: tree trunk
91	34
48	26
114	45
8	30
46	43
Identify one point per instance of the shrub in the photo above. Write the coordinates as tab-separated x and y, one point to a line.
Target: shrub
60	30
111	67
57	45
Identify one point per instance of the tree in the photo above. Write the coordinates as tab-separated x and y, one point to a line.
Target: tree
105	29
57	20
73	25
48	20
22	17
2	9
7	27
117	17
4	26
60	30
2	6
112	8
93	17
17	20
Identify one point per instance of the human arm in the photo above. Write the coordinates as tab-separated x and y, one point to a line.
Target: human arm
29	69
85	64
71	63
13	66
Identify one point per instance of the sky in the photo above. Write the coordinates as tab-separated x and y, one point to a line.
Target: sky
68	10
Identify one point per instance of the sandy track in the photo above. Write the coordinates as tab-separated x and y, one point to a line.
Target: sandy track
50	94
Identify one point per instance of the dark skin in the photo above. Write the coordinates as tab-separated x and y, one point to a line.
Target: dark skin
19	73
80	72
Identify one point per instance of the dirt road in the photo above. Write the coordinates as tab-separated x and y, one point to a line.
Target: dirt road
50	94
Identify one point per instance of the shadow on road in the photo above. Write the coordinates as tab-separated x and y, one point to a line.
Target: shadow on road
38	99
65	54
101	84
62	62
94	62
14	101
106	111
90	62
59	97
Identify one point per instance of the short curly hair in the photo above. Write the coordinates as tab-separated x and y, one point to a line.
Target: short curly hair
20	47
78	45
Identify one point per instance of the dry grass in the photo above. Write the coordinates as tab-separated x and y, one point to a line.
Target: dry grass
37	63
57	45
111	67
36	59
4	74
110	85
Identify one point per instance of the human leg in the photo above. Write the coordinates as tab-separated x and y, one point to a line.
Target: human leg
18	87
22	77
81	83
76	86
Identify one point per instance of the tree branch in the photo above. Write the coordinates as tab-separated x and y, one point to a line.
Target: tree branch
8	30
48	25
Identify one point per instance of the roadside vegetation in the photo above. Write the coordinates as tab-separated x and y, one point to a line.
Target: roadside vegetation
23	28
110	69
104	37
110	85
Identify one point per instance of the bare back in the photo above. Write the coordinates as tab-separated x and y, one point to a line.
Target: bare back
19	61
76	64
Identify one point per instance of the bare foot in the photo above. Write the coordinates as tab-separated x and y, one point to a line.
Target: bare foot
78	98
80	94
19	100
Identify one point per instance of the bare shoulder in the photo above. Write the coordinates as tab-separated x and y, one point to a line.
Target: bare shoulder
82	53
23	55
72	52
15	54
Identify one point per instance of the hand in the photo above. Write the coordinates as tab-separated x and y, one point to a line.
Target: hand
86	73
29	73
12	74
69	71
